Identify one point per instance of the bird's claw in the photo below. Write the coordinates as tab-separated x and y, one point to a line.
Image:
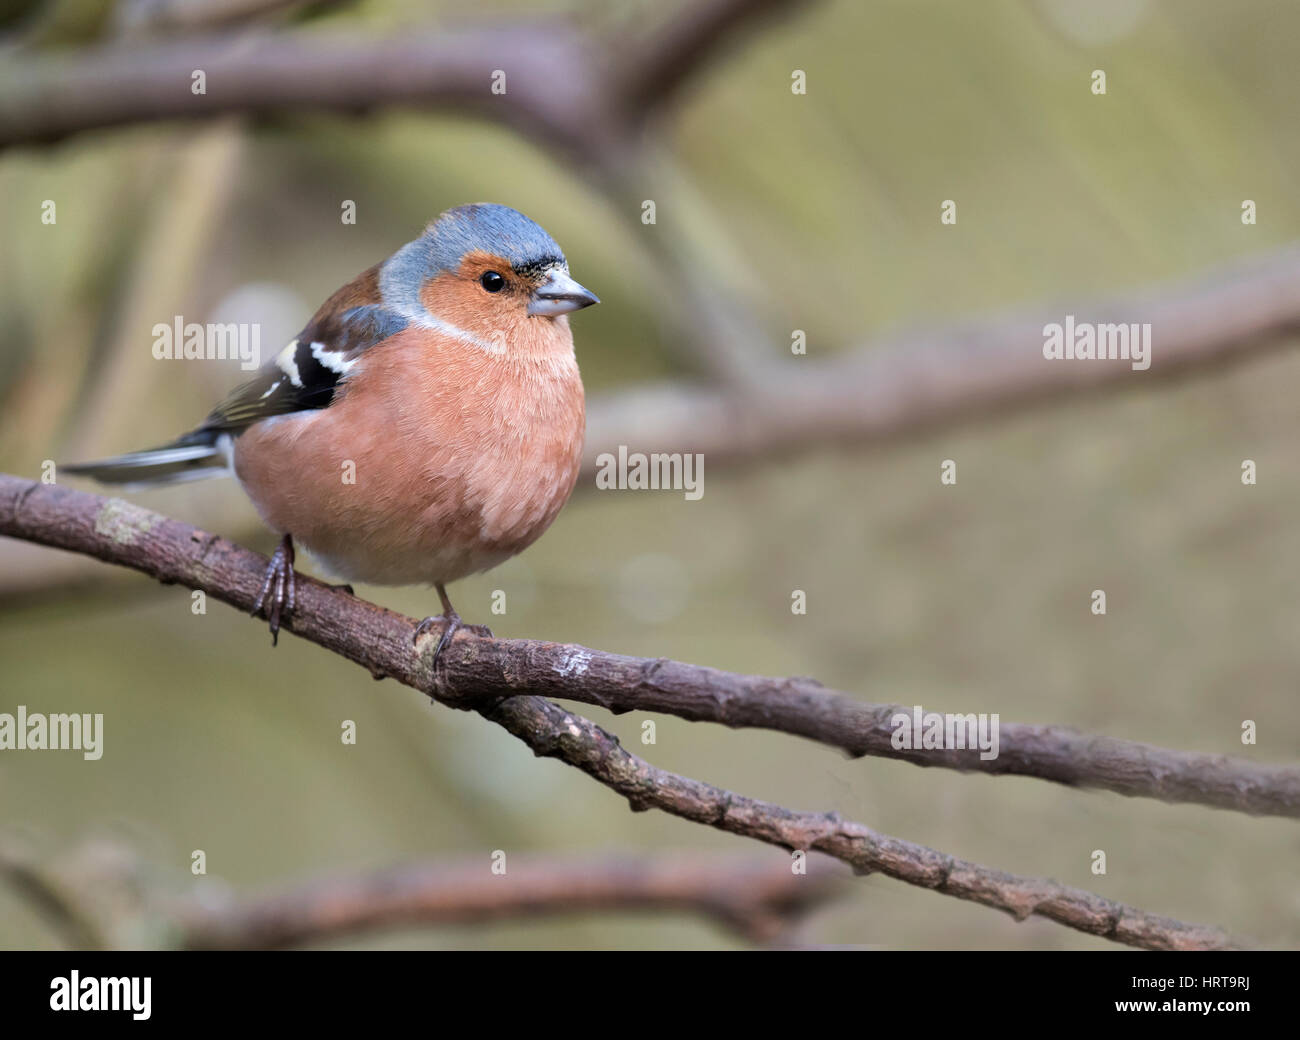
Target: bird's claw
276	600
451	624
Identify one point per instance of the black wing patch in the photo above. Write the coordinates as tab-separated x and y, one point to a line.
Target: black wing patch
306	373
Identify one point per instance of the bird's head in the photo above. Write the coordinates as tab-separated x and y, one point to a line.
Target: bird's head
483	269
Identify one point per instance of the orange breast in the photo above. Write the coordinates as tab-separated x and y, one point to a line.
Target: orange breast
437	459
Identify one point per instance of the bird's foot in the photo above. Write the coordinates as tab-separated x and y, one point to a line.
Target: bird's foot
276	599
451	624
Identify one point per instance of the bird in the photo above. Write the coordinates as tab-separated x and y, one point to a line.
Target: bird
426	424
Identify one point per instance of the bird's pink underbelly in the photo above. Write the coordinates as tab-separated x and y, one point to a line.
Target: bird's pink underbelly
393	511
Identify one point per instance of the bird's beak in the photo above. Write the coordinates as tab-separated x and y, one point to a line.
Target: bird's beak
560	294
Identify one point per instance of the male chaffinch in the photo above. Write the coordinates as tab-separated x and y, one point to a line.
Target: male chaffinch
426	424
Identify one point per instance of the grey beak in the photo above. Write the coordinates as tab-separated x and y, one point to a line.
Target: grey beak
560	294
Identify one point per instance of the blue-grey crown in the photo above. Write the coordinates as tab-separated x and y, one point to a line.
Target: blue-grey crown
485	226
494	229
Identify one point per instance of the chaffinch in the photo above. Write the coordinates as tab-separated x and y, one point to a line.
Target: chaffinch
426	424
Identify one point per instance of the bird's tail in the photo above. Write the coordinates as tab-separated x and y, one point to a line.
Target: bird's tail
196	456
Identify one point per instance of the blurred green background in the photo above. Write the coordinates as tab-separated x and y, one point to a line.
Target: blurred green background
824	208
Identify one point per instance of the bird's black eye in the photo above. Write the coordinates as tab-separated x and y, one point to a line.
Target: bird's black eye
492	281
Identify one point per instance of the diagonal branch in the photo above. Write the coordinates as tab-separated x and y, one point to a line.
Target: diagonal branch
42	890
797	706
553	732
380	640
803	707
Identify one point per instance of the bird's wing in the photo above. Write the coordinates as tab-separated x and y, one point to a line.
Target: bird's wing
306	373
303	376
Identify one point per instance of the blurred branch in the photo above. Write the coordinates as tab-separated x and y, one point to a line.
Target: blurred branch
45	98
925	381
103	895
58	903
190	201
694	33
588	99
159	17
757	898
564	88
380	640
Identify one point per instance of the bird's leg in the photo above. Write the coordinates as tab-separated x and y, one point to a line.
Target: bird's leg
451	623
278	593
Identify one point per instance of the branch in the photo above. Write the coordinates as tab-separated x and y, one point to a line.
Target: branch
54	901
694	32
802	707
553	732
921	382
565	89
799	706
586	98
549	96
380	640
757	898
102	895
159	17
